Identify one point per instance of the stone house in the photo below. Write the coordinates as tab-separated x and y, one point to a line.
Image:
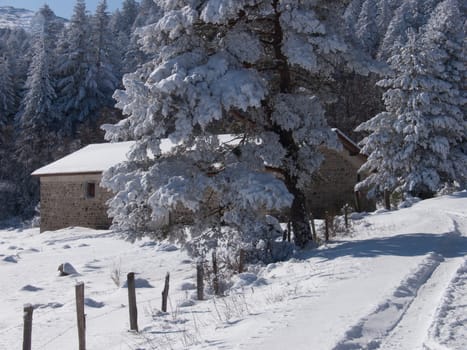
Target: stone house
70	191
71	195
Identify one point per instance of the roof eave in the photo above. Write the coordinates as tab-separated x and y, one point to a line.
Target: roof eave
68	173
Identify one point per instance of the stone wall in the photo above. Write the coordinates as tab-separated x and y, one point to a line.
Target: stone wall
64	202
334	185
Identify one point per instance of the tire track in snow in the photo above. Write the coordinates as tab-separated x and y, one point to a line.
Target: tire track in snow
372	330
403	321
413	328
448	329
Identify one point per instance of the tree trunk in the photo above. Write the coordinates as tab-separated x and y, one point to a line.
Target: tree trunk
298	212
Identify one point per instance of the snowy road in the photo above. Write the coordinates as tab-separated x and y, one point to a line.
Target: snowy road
411	316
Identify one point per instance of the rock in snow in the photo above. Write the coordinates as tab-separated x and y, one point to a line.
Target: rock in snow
11	259
30	288
93	303
66	269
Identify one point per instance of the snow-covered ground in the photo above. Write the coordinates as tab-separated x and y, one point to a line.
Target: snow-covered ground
398	281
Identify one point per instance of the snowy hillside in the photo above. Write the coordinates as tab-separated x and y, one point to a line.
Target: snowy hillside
397	281
11	17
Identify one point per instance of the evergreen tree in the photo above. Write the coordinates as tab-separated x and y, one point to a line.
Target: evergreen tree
36	140
367	29
7	110
418	144
351	15
9	96
15	45
383	18
107	75
386	10
7	92
236	67
444	48
121	43
411	14
148	13
128	16
77	87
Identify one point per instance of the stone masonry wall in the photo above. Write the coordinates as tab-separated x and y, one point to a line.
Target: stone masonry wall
335	185
64	202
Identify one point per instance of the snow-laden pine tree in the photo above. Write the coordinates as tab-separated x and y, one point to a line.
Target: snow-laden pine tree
11	78
411	14
134	56
417	145
107	75
245	68
129	13
77	94
445	50
7	111
148	13
350	16
385	13
7	92
15	46
37	122
367	28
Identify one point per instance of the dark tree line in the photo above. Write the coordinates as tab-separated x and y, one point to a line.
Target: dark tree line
57	84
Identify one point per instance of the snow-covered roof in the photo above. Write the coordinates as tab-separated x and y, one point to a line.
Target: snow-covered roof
99	157
94	158
347	142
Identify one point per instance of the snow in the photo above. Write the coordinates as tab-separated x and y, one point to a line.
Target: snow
397	280
92	158
11	17
99	157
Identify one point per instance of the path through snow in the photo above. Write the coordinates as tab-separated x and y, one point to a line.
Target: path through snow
413	329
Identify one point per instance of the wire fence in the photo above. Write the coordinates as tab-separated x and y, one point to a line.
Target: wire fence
43	312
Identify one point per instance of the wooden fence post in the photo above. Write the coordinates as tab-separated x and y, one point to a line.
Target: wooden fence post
165	293
27	330
346	216
358	201
215	280
313	228
132	301
387	199
200	280
241	261
81	317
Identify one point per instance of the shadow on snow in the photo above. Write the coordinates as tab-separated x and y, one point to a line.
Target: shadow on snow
449	245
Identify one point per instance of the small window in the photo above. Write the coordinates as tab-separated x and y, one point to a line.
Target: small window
90	189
